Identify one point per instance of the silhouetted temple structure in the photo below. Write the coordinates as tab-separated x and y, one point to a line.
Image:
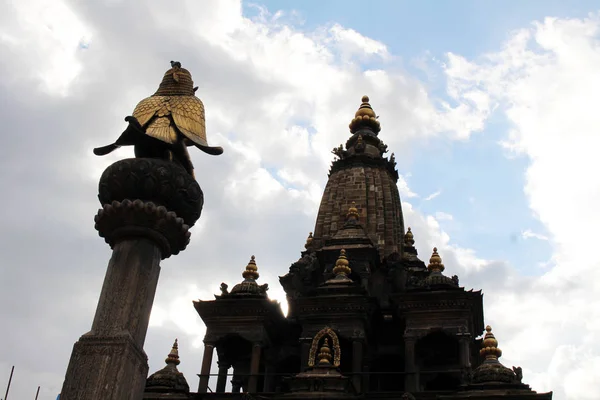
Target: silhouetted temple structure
367	318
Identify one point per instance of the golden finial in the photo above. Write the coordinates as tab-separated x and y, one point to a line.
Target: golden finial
251	271
365	116
173	357
309	240
342	265
489	345
435	262
352	212
365	108
409	238
325	353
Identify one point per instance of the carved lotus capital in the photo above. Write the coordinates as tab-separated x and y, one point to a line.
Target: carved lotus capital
161	182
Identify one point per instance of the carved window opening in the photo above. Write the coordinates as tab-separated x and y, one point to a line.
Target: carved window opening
438	359
286	367
236	351
386	361
387	376
345	366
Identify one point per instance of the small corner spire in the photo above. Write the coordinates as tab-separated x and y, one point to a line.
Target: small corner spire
409	239
489	346
352	214
342	265
435	262
251	272
365	117
309	241
173	357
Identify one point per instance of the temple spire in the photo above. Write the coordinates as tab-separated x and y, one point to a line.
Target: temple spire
352	215
489	346
491	369
365	118
341	270
173	357
342	265
168	380
251	272
248	287
409	239
309	241
435	262
325	353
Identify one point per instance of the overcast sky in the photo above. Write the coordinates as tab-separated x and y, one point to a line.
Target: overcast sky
490	108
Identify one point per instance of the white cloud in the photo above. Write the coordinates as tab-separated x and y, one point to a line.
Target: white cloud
442	216
528	234
546	82
52	35
405	191
433	195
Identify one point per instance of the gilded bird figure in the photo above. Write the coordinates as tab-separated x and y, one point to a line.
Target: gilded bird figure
166	123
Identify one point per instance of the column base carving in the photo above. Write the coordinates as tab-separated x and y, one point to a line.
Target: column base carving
95	377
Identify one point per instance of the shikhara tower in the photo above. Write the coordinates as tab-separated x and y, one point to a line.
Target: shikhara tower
367	318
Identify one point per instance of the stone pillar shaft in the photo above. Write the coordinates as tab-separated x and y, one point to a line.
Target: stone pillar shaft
269	378
411	383
304	355
119	328
128	291
205	371
254	368
465	354
357	362
222	379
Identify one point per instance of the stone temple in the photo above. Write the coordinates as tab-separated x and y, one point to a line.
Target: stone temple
367	319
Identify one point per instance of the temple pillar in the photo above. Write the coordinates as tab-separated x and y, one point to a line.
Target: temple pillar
269	378
366	378
222	378
464	349
357	362
305	350
411	383
109	361
205	371
254	368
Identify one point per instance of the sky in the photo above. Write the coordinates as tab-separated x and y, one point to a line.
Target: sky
489	107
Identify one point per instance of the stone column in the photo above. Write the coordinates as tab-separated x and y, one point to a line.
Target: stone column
465	353
254	368
464	341
269	378
222	378
109	361
205	371
411	382
269	360
305	353
357	362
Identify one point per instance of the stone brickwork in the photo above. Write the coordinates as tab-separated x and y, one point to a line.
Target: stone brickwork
373	188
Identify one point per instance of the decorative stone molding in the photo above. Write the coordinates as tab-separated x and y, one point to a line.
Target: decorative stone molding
161	182
128	219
